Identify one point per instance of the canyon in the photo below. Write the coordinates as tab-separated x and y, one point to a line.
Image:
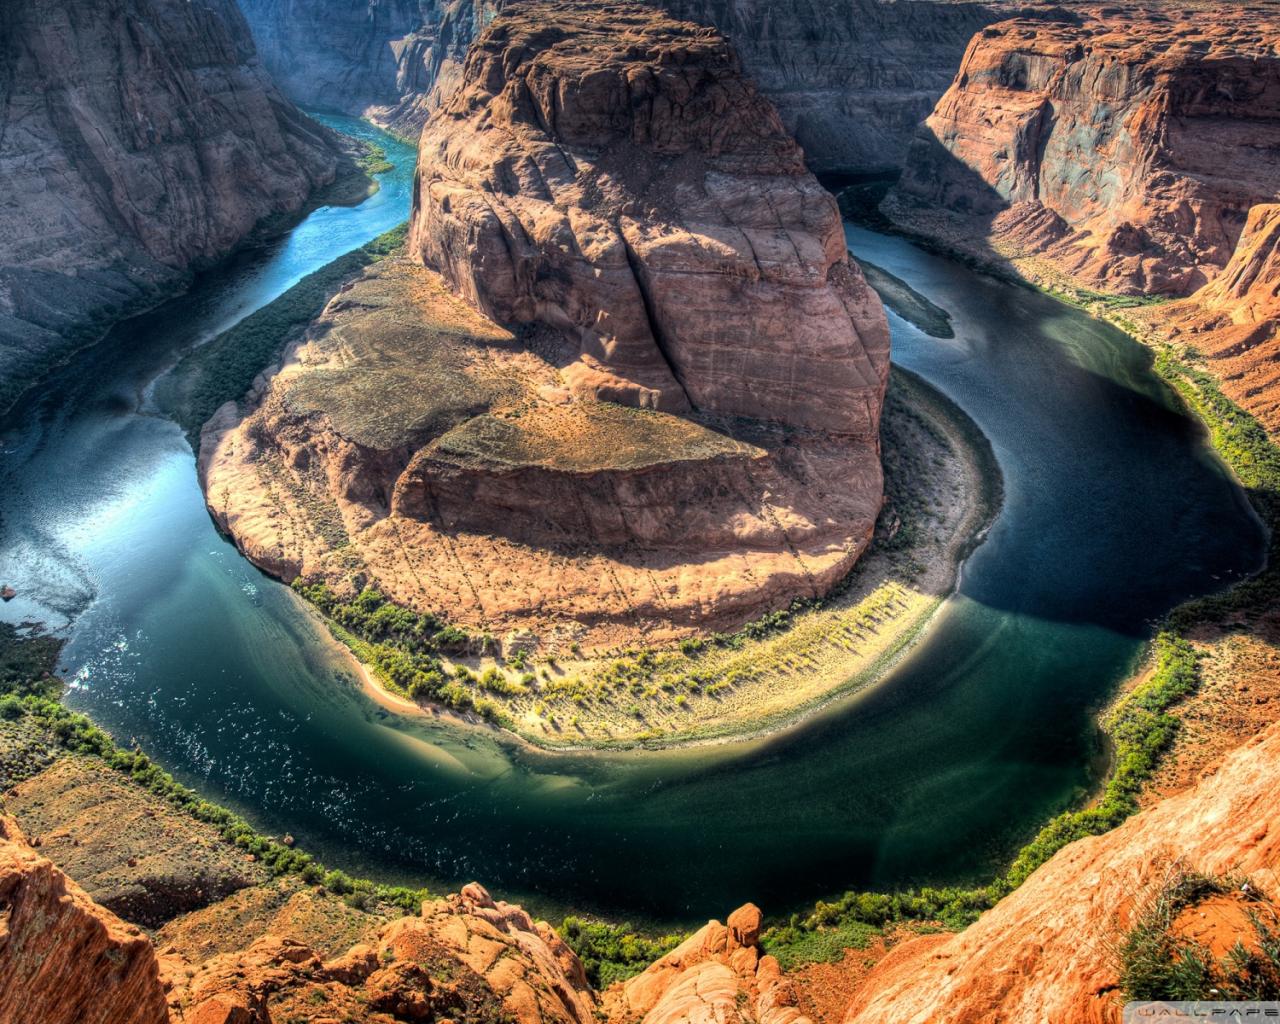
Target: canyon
579	403
142	140
1126	153
656	406
851	81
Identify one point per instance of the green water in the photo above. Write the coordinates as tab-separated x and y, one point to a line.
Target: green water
1115	511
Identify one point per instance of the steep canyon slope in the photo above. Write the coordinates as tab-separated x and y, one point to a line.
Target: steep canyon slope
138	139
851	80
656	405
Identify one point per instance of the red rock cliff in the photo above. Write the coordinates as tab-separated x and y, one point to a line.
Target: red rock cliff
610	173
1126	145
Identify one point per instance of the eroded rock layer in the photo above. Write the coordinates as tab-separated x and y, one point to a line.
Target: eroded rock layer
411	444
140	139
851	80
1125	145
610	173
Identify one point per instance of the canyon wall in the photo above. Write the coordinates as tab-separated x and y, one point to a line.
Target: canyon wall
1125	147
851	80
140	139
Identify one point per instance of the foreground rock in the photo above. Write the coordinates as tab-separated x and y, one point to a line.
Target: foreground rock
467	958
716	975
140	139
652	241
1048	952
63	959
1125	147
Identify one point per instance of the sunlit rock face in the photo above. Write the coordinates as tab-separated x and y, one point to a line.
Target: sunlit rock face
140	139
1125	146
610	173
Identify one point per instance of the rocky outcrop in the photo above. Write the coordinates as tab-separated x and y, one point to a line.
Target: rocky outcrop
718	975
851	80
1125	147
140	139
1234	320
63	959
410	444
466	958
1048	951
610	173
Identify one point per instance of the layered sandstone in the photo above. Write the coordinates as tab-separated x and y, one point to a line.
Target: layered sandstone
1123	146
851	80
64	959
655	406
140	139
610	173
1048	951
411	444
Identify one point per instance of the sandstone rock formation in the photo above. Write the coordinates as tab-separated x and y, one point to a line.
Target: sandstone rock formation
1126	146
651	237
1047	952
63	959
716	975
609	173
1234	320
851	80
467	958
140	139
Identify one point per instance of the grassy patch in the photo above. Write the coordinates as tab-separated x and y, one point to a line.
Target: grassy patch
613	952
30	695
1158	963
794	946
225	368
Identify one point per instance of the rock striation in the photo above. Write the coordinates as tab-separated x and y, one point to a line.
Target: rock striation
652	405
64	959
610	173
1047	952
1126	147
140	139
851	80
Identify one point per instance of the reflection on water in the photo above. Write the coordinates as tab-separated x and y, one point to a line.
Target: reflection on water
1115	511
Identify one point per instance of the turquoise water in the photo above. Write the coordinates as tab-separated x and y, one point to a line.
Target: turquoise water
1115	511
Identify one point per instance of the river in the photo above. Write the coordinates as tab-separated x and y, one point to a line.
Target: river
1115	510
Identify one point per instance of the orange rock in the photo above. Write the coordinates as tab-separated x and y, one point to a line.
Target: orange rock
1047	952
64	959
609	172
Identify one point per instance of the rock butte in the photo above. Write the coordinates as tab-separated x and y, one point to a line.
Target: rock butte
129	157
607	185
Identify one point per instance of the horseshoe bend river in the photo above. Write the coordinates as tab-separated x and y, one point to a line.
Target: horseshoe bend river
1115	510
